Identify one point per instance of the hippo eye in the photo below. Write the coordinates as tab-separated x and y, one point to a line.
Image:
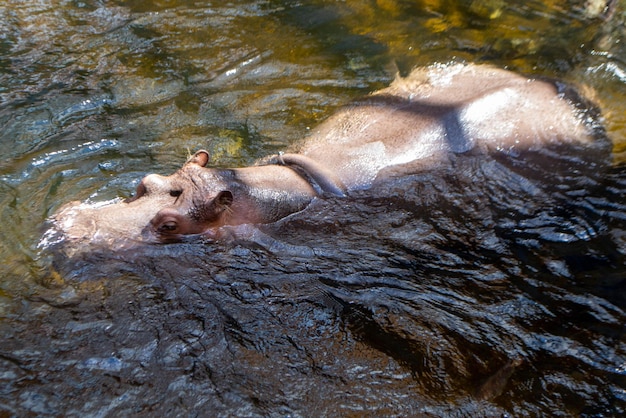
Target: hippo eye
175	193
141	190
168	227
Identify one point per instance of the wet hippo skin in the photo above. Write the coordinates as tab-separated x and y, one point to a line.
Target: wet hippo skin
415	124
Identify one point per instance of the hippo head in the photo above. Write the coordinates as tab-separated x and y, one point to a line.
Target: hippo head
190	201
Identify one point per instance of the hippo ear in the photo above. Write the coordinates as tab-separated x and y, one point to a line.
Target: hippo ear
211	211
201	158
224	199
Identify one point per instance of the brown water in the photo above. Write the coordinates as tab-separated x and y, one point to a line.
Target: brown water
475	291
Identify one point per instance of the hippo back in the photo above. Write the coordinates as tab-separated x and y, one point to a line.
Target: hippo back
443	109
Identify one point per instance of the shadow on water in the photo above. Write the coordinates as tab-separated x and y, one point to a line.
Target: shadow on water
466	289
486	287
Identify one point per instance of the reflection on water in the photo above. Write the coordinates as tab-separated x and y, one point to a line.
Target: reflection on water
470	290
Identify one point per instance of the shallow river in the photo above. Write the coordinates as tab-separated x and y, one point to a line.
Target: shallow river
468	290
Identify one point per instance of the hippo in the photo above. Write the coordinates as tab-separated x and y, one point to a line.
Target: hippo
416	123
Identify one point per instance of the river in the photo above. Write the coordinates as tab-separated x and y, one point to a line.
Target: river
466	290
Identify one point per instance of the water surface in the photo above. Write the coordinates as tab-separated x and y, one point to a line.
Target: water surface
474	289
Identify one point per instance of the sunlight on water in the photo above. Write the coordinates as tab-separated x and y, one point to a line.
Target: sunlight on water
483	288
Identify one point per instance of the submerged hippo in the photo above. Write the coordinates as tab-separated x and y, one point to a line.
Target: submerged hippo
413	125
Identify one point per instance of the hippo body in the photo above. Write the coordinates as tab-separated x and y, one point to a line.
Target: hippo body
414	124
438	110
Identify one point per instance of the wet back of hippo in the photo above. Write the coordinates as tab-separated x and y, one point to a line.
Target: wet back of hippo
543	130
420	121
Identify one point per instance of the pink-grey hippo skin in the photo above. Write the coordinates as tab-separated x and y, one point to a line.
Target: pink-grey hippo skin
417	122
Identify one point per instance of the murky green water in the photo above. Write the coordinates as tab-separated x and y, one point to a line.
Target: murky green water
438	307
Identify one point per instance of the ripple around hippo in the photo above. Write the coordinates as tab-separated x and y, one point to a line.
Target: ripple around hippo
425	250
422	123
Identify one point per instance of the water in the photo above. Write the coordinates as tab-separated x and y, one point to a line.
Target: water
471	290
